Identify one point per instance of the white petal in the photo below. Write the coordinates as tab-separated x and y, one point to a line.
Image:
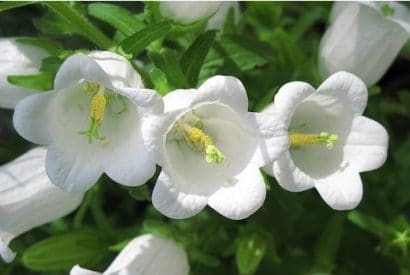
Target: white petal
187	12
240	197
30	118
217	21
75	172
174	203
5	252
273	137
119	69
366	46
345	88
288	175
147	99
28	199
224	89
17	59
77	270
130	163
150	255
342	190
288	98
366	145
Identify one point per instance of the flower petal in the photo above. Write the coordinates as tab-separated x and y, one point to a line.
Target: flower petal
174	203
288	175
366	145
242	196
30	118
77	270
150	255
188	12
342	190
5	252
273	137
288	98
344	87
130	163
224	89
72	172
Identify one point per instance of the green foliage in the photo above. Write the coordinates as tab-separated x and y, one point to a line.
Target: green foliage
274	43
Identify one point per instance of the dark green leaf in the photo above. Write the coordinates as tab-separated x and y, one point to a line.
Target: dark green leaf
140	40
194	56
140	193
80	23
41	82
51	47
13	4
116	16
369	223
50	64
167	62
250	252
64	251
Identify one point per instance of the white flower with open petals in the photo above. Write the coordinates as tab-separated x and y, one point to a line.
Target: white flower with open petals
28	199
147	255
210	149
331	142
91	122
364	38
17	59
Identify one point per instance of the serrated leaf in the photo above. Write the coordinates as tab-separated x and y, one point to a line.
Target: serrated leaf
137	42
51	47
42	81
64	251
167	62
250	252
193	58
8	5
116	16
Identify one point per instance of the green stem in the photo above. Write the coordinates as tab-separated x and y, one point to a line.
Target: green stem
81	23
79	216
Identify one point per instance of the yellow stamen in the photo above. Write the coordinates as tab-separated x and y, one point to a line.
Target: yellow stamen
297	139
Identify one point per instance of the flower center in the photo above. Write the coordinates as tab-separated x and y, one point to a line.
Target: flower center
297	139
190	129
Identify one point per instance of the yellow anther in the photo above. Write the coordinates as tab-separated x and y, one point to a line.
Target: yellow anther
97	107
199	139
297	139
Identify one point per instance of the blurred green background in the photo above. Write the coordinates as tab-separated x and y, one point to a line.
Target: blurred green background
293	233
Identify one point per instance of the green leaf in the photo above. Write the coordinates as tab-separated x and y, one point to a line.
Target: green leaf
369	224
193	58
42	81
8	5
137	42
328	243
51	47
160	81
50	64
80	23
250	252
140	193
244	52
64	251
116	16
166	61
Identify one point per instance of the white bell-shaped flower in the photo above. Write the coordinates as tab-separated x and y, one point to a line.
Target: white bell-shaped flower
145	255
17	59
331	142
91	122
210	149
28	199
364	38
188	12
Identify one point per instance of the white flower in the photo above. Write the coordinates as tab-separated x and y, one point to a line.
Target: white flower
17	59
331	142
147	255
28	199
91	122
210	149
364	38
188	12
